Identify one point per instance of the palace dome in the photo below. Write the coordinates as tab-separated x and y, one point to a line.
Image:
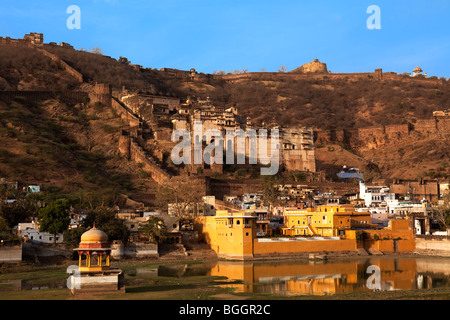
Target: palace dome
94	235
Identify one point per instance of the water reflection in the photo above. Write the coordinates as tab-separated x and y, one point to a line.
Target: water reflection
326	278
291	277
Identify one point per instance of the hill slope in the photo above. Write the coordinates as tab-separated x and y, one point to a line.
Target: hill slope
59	142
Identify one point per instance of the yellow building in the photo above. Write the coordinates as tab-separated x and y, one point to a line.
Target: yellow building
326	221
233	235
229	233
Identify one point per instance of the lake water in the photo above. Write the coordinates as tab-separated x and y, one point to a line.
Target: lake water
320	278
285	278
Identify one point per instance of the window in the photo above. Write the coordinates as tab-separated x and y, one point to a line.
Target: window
246	234
238	222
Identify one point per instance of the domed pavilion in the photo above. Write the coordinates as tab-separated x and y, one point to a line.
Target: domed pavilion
96	248
95	273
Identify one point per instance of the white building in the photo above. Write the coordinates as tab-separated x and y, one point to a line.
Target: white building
42	237
375	196
23	226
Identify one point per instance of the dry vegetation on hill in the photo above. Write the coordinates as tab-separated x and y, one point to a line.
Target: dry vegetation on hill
70	149
27	69
326	104
74	147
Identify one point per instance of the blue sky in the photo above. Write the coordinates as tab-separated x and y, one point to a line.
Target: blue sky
212	35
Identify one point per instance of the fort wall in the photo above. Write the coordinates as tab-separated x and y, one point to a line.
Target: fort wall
426	126
433	246
27	44
74	73
263	248
138	155
11	254
372	137
124	113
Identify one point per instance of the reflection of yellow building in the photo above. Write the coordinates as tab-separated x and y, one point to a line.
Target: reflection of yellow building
327	221
316	279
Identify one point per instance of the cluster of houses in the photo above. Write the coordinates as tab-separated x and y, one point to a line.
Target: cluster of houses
297	213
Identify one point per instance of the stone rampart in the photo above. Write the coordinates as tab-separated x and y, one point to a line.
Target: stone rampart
433	246
371	137
138	155
16	42
125	114
10	254
28	44
426	126
74	73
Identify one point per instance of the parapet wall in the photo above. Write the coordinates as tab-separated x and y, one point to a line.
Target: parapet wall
371	137
262	248
125	114
74	73
28	44
433	246
16	42
138	155
11	254
267	76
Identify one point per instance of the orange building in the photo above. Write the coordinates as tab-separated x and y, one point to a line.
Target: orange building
233	235
326	221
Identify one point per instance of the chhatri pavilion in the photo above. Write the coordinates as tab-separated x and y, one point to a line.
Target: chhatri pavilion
96	248
94	270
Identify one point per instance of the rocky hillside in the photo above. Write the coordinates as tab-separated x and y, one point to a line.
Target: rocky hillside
75	146
68	148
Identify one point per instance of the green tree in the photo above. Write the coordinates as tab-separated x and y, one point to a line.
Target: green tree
72	237
155	229
54	218
18	211
106	220
447	217
3	225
